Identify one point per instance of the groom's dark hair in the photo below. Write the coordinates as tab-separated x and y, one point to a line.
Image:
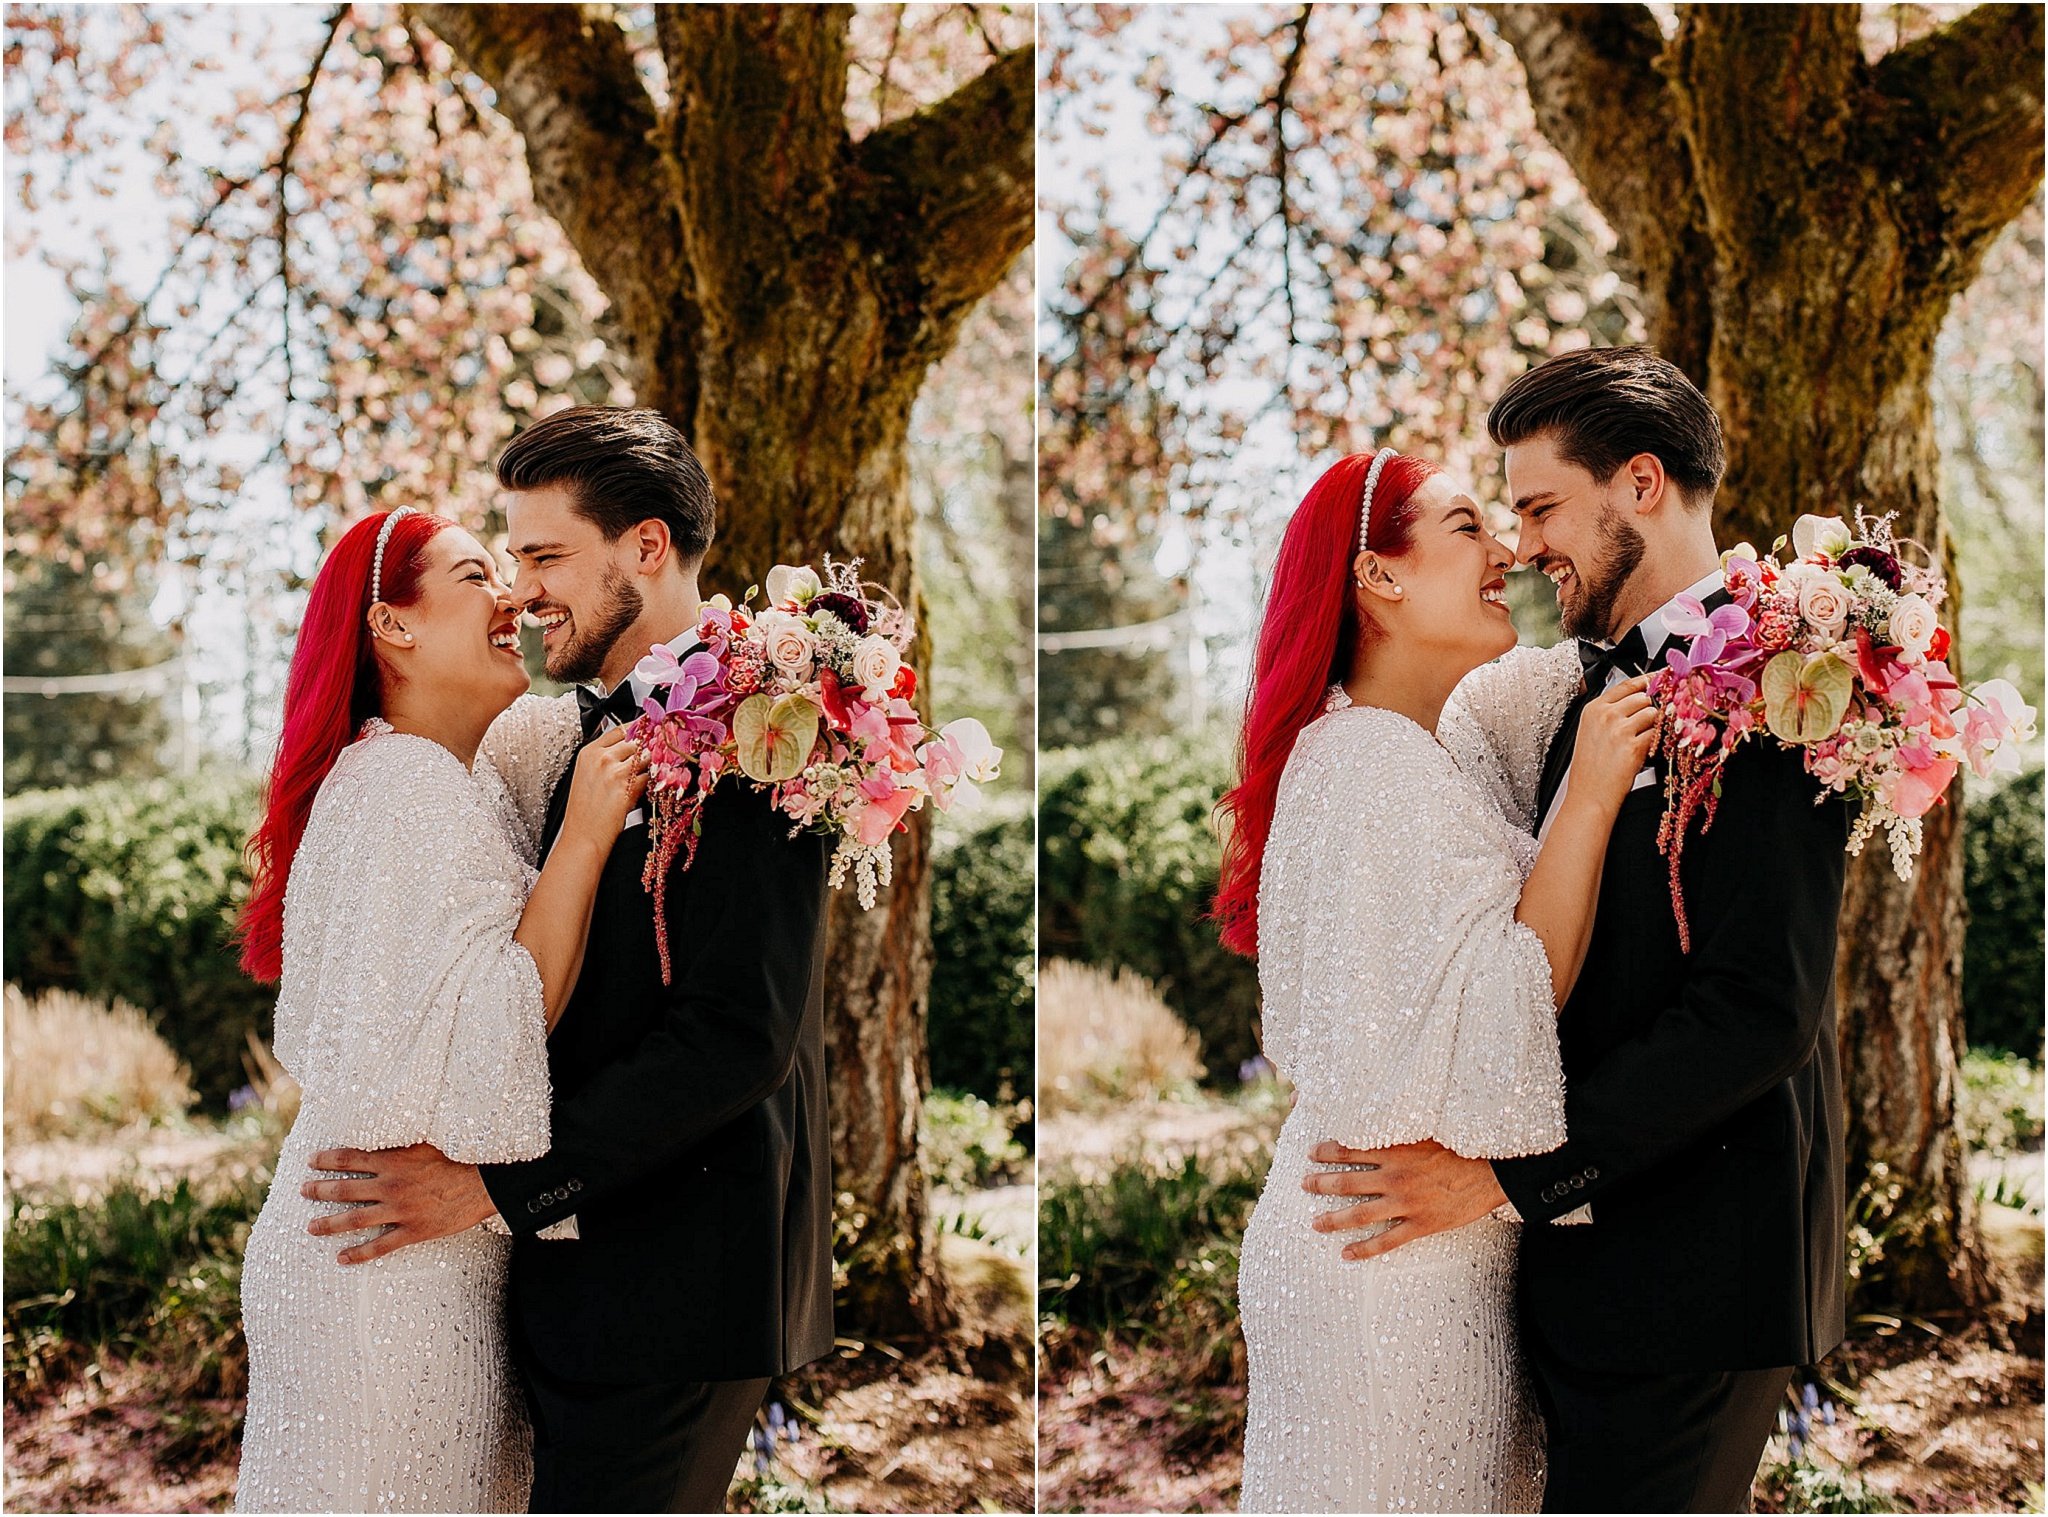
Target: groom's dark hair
621	467
1603	406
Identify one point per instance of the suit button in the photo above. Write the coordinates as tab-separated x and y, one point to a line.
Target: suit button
1578	1182
533	1206
1592	1172
575	1185
561	1192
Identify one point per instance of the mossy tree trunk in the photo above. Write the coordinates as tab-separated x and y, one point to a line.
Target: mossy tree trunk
1800	219
783	289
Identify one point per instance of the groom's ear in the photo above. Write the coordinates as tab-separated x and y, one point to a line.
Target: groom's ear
650	544
1647	483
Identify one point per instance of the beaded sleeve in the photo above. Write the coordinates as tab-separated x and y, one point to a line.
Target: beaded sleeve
525	753
1401	996
1501	719
408	1011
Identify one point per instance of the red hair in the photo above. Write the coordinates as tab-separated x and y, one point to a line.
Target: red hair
1309	640
333	688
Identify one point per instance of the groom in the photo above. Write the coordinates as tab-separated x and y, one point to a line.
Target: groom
690	1141
1703	1103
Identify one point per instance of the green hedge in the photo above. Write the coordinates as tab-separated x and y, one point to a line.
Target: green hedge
982	1028
131	890
1128	857
2002	951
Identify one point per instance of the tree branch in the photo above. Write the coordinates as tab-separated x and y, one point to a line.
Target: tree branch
284	214
564	77
1968	117
1594	80
1592	72
946	196
1288	66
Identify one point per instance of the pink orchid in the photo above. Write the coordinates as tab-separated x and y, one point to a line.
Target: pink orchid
1995	726
1744	577
878	815
1917	752
871	726
1915	790
944	763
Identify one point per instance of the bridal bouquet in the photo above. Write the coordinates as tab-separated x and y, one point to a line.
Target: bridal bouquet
1836	652
809	700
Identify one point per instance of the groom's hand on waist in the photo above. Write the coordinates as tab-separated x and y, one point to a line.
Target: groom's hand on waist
415	1194
1420	1188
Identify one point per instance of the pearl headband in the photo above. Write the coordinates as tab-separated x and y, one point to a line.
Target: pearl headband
1372	480
384	537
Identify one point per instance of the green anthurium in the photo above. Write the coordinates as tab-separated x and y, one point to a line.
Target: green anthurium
775	736
1806	699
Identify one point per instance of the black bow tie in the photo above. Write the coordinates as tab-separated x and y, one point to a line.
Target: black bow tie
620	706
1629	656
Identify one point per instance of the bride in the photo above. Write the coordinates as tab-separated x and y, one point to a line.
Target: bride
421	963
1413	944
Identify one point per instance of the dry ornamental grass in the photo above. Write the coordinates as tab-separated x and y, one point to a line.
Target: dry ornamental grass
1104	1037
74	1064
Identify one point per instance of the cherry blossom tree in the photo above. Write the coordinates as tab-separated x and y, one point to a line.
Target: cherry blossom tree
401	232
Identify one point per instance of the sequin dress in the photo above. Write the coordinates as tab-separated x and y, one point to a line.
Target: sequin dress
1403	1001
407	1013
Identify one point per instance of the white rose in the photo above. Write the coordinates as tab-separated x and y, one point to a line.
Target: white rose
1912	624
1823	602
1821	534
788	642
790	582
875	662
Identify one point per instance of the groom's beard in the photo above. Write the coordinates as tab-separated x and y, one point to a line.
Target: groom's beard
1589	611
581	659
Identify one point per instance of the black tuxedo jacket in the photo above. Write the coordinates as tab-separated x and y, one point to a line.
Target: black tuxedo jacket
1703	1099
690	1136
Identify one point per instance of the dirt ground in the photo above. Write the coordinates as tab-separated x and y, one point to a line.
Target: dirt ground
947	1431
947	1428
1934	1417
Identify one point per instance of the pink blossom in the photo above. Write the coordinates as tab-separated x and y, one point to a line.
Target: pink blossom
944	763
877	816
1916	790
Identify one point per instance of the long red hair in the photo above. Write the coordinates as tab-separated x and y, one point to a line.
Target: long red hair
333	688
1309	640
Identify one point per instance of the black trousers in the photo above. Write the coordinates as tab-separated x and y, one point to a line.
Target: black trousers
666	1447
1655	1443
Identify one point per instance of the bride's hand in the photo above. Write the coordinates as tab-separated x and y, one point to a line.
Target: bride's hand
610	778
1617	731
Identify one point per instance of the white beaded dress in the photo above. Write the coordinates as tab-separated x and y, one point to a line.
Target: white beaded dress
407	1013
1403	1001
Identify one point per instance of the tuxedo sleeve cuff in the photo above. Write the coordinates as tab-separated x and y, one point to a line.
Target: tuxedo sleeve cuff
532	1200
